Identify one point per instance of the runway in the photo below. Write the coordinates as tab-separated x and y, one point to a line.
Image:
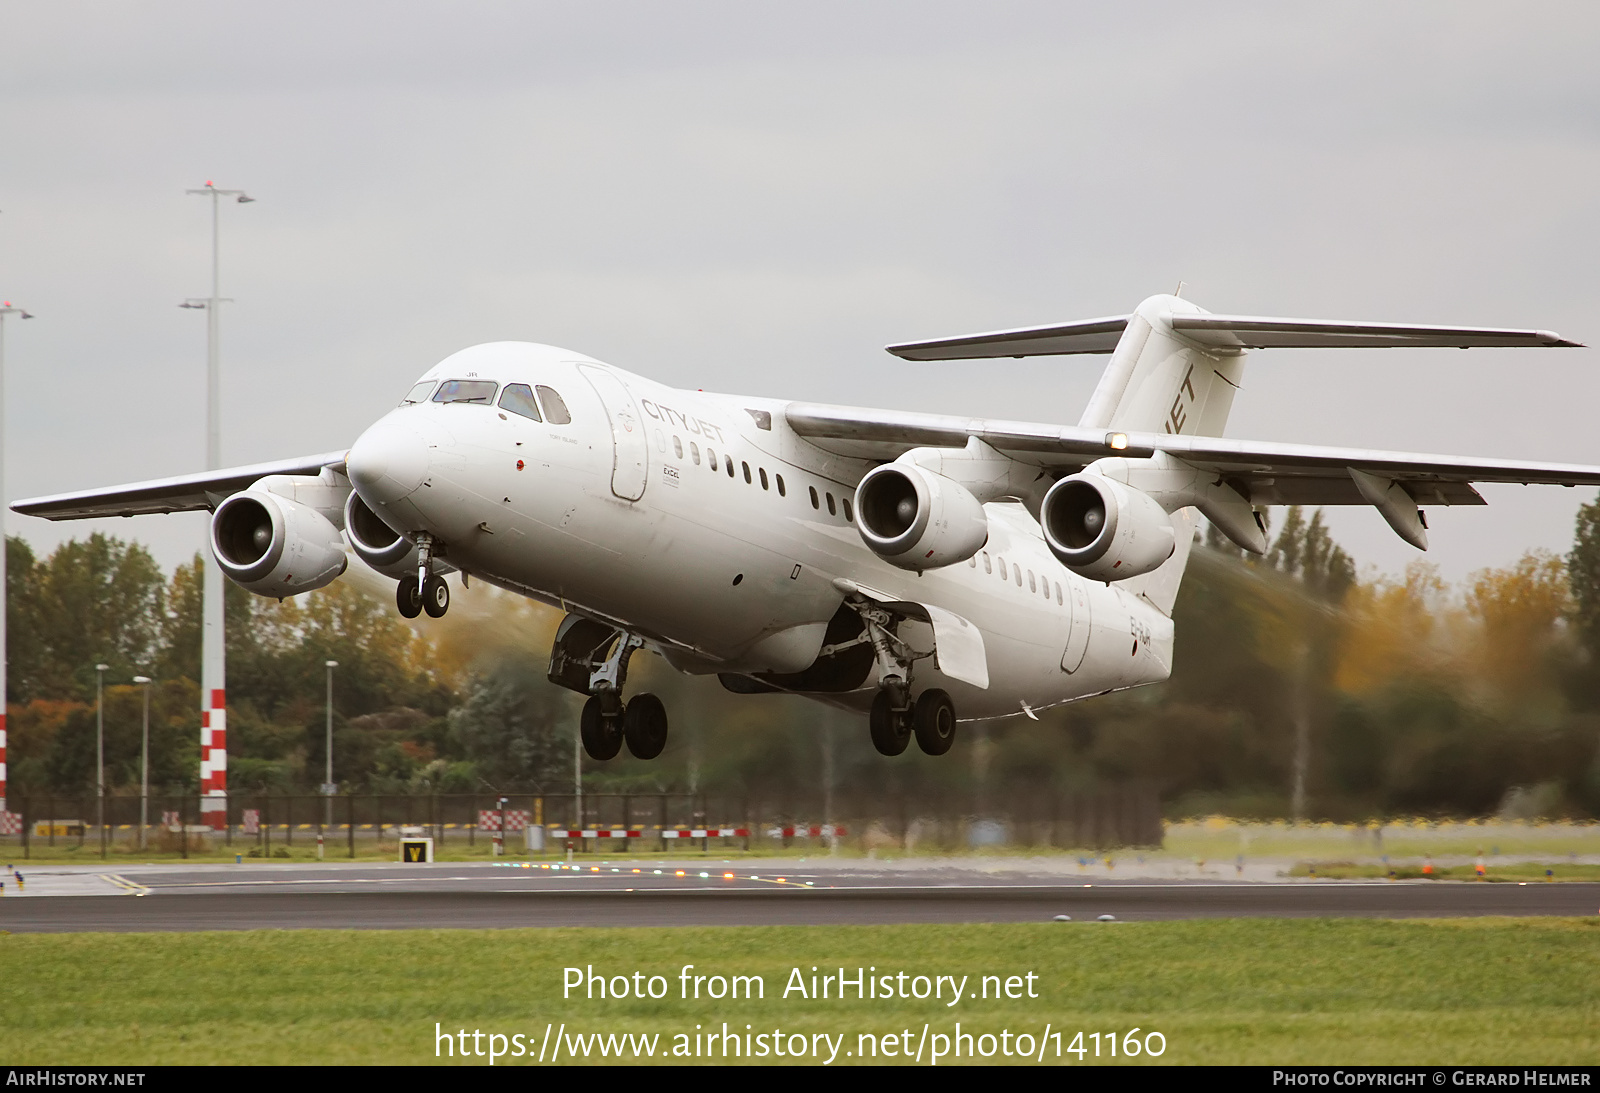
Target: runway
455	895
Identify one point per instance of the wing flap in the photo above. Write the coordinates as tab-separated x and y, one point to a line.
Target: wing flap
184	493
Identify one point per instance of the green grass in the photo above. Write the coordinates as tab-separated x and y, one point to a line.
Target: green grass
1227	991
1520	872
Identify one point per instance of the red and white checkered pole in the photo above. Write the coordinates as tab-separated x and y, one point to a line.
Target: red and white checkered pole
213	667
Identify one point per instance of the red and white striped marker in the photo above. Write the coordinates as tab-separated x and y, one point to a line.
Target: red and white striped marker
214	761
595	833
707	833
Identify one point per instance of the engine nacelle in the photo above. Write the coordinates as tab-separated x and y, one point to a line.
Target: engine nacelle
916	519
376	543
274	546
1104	530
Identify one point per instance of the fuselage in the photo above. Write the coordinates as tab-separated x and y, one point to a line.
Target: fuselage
703	523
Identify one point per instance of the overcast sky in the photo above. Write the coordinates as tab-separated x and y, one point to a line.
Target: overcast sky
757	197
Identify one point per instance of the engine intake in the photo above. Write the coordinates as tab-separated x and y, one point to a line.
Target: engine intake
273	546
915	519
1104	530
375	542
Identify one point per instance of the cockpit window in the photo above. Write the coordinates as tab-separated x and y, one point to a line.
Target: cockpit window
555	410
518	398
419	393
476	391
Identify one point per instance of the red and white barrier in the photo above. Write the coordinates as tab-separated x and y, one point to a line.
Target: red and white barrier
10	822
826	831
707	833
595	833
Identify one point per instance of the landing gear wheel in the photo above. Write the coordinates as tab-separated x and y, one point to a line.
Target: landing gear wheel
935	720
602	727
644	724
407	600
436	597
891	728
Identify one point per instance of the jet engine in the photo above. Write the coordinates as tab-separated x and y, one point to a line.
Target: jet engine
274	546
916	519
376	543
1104	530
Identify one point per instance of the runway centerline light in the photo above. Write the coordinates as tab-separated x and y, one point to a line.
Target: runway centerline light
727	876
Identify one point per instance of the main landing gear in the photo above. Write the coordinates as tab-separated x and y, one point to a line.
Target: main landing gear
895	716
428	592
592	658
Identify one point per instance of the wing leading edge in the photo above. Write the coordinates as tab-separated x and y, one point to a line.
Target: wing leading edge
184	493
1265	473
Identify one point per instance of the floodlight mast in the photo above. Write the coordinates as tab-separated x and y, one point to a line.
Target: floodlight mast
213	649
5	309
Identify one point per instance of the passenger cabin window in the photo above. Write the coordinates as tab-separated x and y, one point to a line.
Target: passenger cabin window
1000	563
518	398
1031	587
694	452
848	515
814	502
762	471
555	409
746	467
677	446
781	491
419	393
832	511
476	391
1017	570
727	462
711	460
1058	593
987	568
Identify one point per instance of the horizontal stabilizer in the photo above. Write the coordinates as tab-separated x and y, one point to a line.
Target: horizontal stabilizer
1253	332
185	493
1086	336
1224	333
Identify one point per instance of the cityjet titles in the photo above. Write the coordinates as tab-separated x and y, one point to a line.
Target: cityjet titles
697	425
846	983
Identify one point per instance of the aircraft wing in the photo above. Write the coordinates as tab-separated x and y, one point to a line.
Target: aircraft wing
1222	333
1266	473
185	493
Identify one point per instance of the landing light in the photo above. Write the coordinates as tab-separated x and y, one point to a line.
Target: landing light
1118	441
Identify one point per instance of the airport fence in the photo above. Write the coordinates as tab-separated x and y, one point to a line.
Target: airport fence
268	825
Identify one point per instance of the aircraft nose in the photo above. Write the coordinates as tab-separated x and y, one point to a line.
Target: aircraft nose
388	462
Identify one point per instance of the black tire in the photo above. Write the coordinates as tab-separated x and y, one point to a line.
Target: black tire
601	731
935	720
891	728
435	597
407	600
644	725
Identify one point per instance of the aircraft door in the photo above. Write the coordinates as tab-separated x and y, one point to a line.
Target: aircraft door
1078	632
630	449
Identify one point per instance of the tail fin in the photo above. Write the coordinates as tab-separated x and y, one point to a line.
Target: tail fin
1159	381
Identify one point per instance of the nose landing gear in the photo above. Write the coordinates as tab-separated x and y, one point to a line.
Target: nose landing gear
428	592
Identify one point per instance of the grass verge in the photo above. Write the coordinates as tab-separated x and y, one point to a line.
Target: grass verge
1226	991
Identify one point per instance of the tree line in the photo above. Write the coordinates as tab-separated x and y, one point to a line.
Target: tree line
1299	689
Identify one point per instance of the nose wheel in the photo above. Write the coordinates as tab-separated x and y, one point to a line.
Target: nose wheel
434	598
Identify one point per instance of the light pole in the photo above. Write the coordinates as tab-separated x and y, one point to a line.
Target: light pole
328	788
144	764
213	666
5	309
100	671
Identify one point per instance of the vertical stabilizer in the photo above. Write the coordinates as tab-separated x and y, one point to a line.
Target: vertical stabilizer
1159	381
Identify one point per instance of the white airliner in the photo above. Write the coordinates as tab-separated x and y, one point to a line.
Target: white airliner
917	567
